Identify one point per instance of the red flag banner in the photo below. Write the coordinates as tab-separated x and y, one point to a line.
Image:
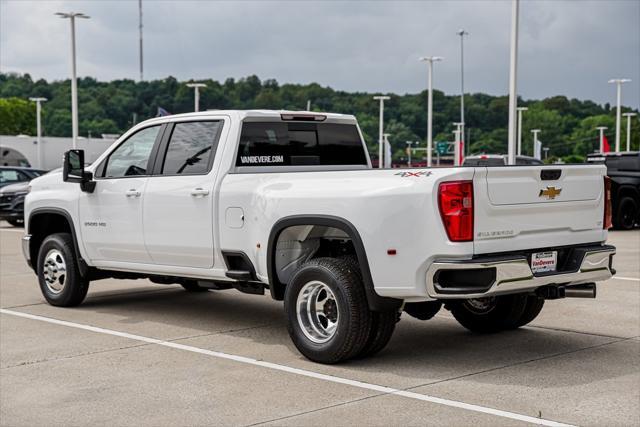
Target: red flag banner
605	144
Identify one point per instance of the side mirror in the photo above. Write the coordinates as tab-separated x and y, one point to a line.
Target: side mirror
73	170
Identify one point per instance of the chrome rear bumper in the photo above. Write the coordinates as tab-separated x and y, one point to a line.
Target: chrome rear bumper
512	274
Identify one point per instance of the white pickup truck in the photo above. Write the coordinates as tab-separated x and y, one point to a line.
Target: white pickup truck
289	202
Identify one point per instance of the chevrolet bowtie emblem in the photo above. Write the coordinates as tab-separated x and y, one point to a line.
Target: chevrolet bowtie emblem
550	192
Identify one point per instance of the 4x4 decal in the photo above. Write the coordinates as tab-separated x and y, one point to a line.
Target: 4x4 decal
416	174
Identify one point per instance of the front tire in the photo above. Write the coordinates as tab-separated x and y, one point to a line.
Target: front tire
60	281
327	312
491	314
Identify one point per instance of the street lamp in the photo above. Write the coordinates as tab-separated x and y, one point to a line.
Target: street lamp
39	101
513	95
618	83
535	133
520	110
461	32
430	60
628	116
601	129
381	129
196	94
74	84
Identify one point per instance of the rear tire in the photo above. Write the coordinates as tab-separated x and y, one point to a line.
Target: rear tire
532	308
627	214
492	314
60	281
327	312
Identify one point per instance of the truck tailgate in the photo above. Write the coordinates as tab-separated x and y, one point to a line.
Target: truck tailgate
529	207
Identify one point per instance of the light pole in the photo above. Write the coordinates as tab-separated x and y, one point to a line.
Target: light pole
456	147
196	94
601	129
39	102
74	84
140	32
618	83
546	152
430	60
381	129
461	32
387	149
535	133
409	144
520	110
513	95
628	116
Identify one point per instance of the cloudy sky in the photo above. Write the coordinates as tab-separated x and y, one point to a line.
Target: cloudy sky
566	47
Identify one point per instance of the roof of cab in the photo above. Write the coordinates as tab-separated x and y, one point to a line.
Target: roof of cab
243	114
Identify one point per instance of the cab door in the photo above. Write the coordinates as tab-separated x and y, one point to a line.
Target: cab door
111	216
179	202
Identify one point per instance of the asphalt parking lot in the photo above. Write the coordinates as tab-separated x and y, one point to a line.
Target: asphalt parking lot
136	353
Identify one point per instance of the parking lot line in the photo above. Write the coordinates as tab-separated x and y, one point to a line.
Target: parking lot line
291	370
633	279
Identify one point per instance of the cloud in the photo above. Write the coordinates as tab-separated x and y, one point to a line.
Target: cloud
566	47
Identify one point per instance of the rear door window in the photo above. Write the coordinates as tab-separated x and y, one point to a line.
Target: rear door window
191	148
300	144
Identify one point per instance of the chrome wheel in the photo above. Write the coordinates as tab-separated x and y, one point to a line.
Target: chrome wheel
480	305
317	311
54	271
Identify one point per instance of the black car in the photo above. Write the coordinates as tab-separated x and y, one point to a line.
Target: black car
624	171
14	186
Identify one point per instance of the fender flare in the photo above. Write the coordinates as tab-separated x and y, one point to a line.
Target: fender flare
375	301
82	265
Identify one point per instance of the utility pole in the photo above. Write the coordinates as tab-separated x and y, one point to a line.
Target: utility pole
381	129
430	60
520	110
39	102
140	29
618	83
308	105
513	94
601	129
546	152
196	94
628	116
74	83
461	32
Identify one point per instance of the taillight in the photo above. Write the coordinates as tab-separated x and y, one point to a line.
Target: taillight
455	200
606	222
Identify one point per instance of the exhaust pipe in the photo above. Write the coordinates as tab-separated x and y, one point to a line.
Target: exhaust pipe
585	290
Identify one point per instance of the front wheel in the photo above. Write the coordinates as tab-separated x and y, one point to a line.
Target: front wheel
60	281
327	312
490	314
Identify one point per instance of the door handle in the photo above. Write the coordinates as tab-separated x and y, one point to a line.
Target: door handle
133	193
199	192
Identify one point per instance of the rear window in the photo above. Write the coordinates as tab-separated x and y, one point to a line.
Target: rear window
299	144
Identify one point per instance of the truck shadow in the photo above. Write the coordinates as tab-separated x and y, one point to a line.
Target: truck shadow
424	352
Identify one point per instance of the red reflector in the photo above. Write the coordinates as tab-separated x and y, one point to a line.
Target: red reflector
606	221
391	252
455	200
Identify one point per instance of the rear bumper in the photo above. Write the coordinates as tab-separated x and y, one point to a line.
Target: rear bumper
487	276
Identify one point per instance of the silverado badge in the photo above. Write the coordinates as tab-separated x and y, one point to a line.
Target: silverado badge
550	192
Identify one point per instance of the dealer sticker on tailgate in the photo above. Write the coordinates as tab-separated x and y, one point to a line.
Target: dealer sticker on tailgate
542	262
